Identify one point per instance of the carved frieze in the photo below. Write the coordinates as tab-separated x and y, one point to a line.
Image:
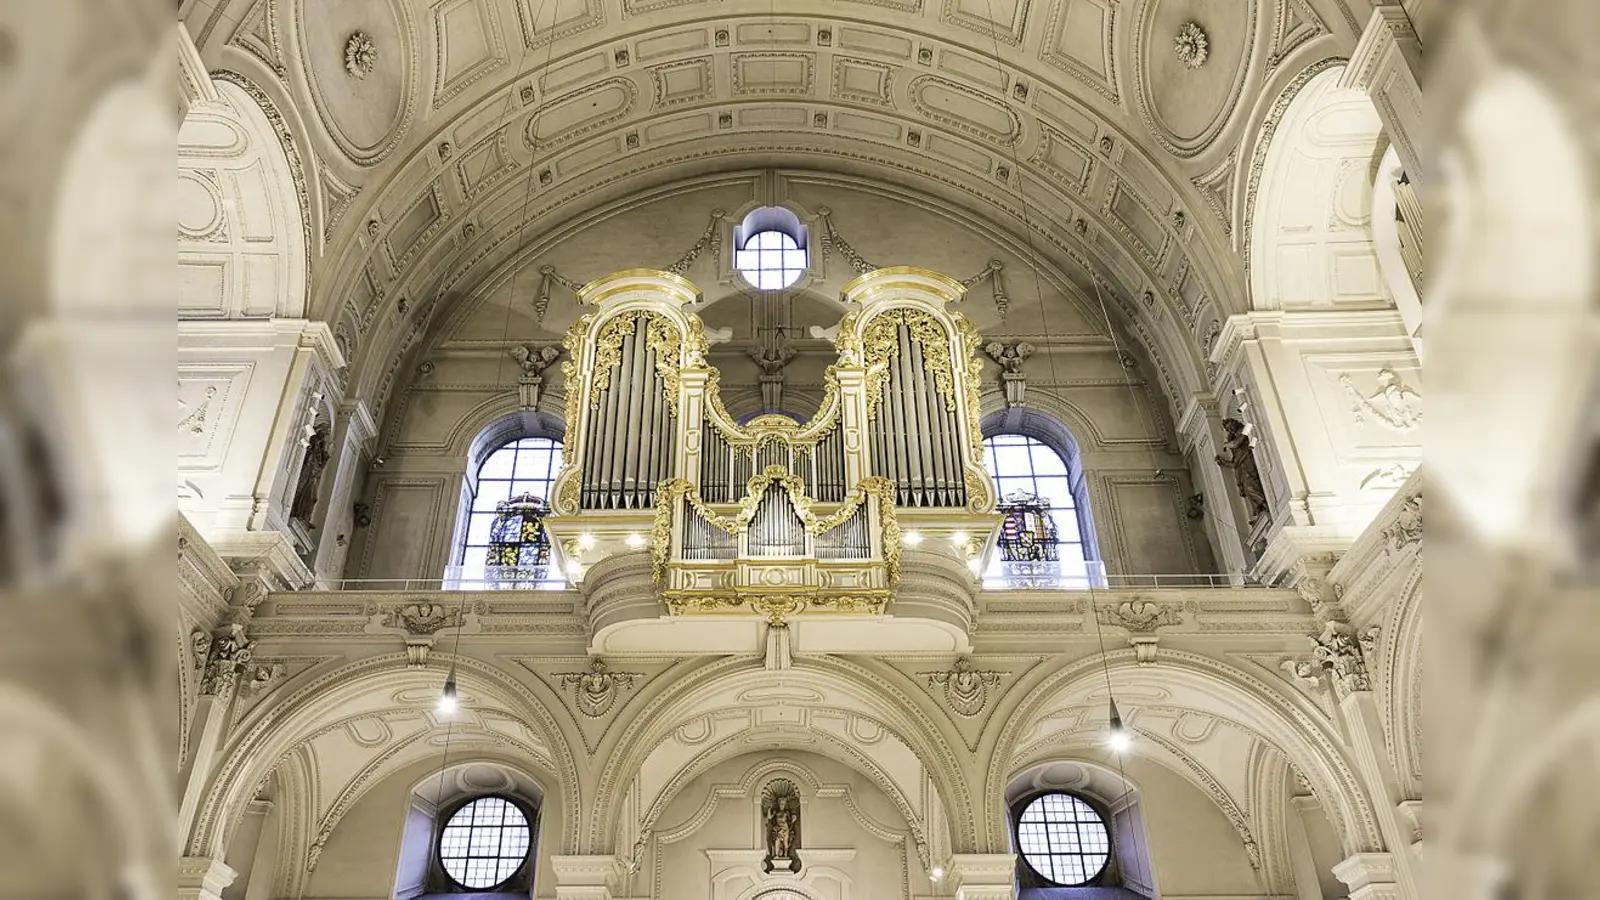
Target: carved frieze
1407	526
595	691
423	618
227	654
1139	615
1342	653
1393	404
965	687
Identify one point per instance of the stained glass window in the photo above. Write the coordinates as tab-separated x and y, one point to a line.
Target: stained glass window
1041	538
1063	839
506	544
485	843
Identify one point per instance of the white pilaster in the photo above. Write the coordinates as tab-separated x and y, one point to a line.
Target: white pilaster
1384	65
984	876
595	877
200	878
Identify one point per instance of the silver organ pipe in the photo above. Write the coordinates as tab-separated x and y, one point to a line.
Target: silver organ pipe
629	446
702	540
914	434
776	529
848	541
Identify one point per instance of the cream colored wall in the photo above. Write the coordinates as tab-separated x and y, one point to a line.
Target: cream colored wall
1138	483
721	812
1194	850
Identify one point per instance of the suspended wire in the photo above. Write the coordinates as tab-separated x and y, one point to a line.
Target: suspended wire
1111	331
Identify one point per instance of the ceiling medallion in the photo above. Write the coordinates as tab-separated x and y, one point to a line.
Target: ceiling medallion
360	54
1191	45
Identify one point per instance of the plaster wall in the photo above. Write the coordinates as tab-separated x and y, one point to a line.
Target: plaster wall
461	380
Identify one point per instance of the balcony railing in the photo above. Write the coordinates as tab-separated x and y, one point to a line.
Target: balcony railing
1007	576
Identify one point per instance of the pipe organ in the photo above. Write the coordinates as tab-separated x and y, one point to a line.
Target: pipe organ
771	516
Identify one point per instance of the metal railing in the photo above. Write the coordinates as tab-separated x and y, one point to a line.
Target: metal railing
1091	575
1010	576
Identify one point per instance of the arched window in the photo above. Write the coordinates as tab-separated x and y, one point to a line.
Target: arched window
485	843
1063	840
770	248
504	544
1045	537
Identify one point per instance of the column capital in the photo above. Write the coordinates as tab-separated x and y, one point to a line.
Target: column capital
201	878
1370	876
587	877
984	876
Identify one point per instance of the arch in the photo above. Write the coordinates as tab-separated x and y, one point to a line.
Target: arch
1402	679
1216	689
269	735
1310	228
243	237
720	711
1053	434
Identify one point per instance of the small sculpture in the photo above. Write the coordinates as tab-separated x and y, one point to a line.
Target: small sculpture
533	362
1239	456
311	466
771	360
780	817
1009	358
360	55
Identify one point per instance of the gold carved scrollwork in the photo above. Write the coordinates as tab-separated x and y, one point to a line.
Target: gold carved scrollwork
670	491
660	335
879	345
800	437
573	344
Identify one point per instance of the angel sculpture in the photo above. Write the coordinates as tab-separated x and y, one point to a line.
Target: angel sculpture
533	362
1009	358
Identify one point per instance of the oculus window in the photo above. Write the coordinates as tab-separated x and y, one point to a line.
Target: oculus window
485	843
1042	533
506	544
1063	840
770	248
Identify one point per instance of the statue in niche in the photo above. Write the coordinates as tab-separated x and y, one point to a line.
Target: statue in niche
1239	456
311	466
771	360
780	820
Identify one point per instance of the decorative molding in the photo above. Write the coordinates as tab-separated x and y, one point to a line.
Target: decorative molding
965	688
595	691
1139	615
1191	45
360	54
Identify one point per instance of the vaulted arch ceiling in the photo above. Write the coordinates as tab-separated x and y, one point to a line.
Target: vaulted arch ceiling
1074	128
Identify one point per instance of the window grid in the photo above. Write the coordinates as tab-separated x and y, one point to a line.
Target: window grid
485	843
1017	462
770	260
525	466
1063	840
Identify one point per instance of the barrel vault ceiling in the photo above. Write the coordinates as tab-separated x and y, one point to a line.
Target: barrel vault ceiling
438	144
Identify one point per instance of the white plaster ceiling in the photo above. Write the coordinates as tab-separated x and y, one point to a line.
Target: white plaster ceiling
1071	123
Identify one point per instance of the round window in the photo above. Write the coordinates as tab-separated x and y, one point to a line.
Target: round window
1063	840
770	260
485	843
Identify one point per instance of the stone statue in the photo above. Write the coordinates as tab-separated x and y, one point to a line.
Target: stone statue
1240	457
780	819
1009	358
311	466
771	360
533	362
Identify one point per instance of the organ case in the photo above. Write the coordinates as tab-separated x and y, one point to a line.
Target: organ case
771	515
